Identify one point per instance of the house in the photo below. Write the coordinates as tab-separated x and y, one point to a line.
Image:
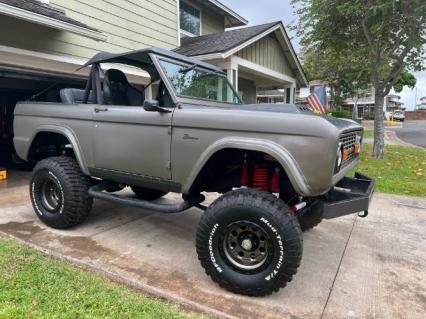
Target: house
422	105
43	42
365	101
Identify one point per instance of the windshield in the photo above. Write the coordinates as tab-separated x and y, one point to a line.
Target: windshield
191	82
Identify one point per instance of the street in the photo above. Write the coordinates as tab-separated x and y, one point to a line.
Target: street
413	132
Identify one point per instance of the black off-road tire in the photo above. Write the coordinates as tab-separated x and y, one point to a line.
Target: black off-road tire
312	217
273	218
71	203
147	193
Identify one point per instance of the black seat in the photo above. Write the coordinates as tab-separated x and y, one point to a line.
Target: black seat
74	96
118	91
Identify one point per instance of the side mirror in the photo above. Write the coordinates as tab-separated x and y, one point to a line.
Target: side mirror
154	106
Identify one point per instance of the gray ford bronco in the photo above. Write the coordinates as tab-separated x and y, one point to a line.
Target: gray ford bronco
281	168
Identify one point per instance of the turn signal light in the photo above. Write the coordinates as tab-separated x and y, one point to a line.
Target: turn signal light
3	174
356	149
345	154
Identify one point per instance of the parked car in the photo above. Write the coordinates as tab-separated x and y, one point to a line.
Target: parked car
276	166
399	115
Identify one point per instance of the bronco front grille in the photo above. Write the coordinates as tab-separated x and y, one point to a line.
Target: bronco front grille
348	140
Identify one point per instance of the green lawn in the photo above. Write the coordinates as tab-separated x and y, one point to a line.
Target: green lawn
34	286
403	171
369	133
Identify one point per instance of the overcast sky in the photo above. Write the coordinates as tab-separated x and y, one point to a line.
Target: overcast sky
258	12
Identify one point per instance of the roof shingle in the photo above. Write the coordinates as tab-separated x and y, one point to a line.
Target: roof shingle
220	42
45	10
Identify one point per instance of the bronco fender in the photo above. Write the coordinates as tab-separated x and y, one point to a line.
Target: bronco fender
273	149
68	133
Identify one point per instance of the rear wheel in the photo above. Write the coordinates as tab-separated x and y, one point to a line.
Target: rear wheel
147	193
249	242
59	192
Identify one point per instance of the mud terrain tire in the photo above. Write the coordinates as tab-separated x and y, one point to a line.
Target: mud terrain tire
243	222
312	217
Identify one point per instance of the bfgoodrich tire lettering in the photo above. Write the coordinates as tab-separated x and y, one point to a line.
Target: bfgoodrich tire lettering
272	217
59	192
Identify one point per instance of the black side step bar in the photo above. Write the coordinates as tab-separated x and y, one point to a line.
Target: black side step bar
97	191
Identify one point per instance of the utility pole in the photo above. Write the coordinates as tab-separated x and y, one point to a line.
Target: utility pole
415	98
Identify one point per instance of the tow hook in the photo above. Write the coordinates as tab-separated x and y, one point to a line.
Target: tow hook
364	214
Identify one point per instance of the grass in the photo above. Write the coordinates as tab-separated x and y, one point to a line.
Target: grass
403	170
368	133
34	286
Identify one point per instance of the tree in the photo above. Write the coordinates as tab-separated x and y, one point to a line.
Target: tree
334	68
380	38
405	79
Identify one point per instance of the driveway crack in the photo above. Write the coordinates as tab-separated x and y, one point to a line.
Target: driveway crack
338	268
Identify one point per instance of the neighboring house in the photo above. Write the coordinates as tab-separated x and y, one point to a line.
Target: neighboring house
422	105
365	102
256	58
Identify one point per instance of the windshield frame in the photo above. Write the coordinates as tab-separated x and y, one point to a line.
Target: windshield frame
182	99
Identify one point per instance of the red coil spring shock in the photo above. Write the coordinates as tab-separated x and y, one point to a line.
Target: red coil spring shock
261	179
275	182
244	174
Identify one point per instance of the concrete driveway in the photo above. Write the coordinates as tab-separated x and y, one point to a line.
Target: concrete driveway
351	268
413	132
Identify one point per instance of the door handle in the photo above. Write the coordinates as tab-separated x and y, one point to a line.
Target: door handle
101	109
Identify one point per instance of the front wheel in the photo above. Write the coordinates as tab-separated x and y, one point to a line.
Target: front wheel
249	242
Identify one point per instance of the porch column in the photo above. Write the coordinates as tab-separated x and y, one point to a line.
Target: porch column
232	74
293	93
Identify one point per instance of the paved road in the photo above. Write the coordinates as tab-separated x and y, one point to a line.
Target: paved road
351	268
413	132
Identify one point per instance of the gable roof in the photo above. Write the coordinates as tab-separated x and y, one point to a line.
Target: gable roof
47	15
220	42
223	45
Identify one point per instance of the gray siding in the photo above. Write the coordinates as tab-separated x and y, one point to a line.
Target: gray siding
267	52
129	25
211	23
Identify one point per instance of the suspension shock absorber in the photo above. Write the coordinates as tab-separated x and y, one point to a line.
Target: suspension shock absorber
261	179
275	182
244	182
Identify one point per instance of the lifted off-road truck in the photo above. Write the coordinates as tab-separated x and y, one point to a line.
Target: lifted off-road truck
281	168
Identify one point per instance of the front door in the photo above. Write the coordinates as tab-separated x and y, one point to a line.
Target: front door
131	140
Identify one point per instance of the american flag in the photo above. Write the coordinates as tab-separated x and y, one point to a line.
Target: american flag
315	104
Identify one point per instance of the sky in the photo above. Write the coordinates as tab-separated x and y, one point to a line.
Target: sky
265	11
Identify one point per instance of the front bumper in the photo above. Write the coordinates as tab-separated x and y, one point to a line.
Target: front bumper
350	195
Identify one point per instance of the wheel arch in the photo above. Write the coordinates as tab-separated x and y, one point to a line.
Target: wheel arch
283	157
64	132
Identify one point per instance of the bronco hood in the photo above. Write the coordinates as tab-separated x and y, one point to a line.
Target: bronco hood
341	124
276	108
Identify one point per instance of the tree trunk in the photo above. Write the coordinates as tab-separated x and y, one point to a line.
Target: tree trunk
355	109
379	125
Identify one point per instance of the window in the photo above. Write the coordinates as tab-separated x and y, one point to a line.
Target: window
192	82
190	19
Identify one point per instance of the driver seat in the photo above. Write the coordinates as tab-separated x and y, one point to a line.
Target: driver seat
118	90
